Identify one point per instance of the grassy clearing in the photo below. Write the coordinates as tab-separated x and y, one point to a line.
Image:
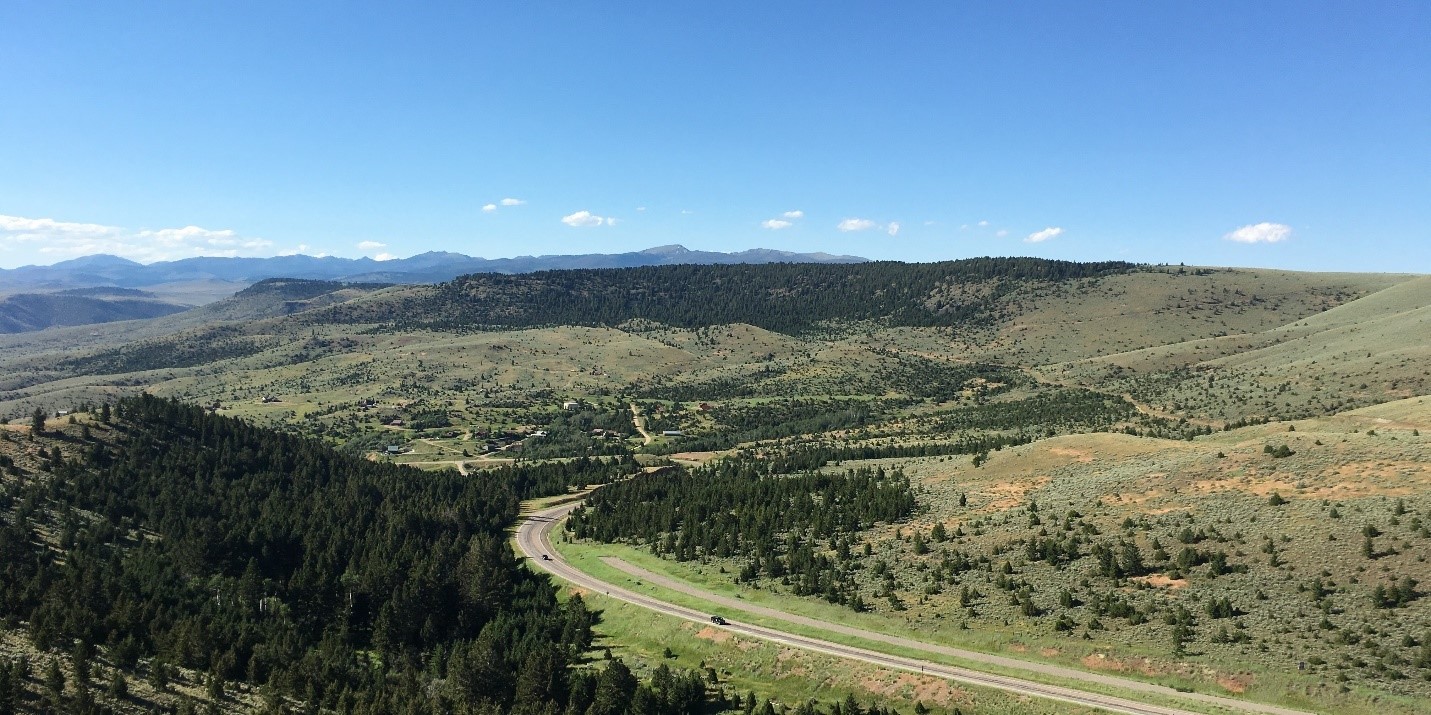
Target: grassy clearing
788	676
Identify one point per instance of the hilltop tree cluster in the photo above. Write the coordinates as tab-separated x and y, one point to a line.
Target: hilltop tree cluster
784	297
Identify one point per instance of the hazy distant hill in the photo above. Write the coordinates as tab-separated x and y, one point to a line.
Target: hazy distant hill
24	312
431	267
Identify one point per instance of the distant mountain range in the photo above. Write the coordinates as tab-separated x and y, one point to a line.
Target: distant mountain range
104	288
431	267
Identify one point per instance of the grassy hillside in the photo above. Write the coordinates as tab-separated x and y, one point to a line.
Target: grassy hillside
1244	564
1370	350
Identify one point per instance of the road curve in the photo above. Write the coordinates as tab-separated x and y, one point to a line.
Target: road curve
534	541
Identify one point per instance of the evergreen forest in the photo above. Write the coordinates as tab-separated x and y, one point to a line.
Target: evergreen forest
166	539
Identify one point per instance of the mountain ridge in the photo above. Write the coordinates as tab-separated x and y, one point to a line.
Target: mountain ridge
428	267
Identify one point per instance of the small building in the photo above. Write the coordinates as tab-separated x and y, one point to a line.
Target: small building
569	405
540	433
671	433
394	449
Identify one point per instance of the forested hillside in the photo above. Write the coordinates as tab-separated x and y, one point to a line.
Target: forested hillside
784	297
158	538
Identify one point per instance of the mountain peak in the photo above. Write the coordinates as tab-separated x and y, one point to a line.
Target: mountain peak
673	249
98	260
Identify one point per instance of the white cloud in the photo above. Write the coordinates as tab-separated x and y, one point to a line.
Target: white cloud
640	209
384	256
64	239
1044	235
775	224
1001	232
856	224
492	208
370	245
584	219
39	227
893	228
983	224
1261	233
797	213
179	236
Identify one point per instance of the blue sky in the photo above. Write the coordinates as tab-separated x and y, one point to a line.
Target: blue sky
1287	135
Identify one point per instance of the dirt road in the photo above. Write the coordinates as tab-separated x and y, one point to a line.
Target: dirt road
640	423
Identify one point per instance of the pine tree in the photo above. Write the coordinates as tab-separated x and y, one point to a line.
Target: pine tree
55	681
119	686
614	688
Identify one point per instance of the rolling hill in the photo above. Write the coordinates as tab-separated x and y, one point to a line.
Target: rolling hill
1154	335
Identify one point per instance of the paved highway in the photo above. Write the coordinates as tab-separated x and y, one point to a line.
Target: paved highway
534	540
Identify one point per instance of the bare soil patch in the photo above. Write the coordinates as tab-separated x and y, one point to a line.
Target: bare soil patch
1235	683
695	457
714	635
1159	580
923	688
1078	455
1008	495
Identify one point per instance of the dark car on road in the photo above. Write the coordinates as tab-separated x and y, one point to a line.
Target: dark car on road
719	621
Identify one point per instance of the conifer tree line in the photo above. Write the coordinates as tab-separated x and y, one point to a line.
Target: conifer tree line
542	479
739	508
